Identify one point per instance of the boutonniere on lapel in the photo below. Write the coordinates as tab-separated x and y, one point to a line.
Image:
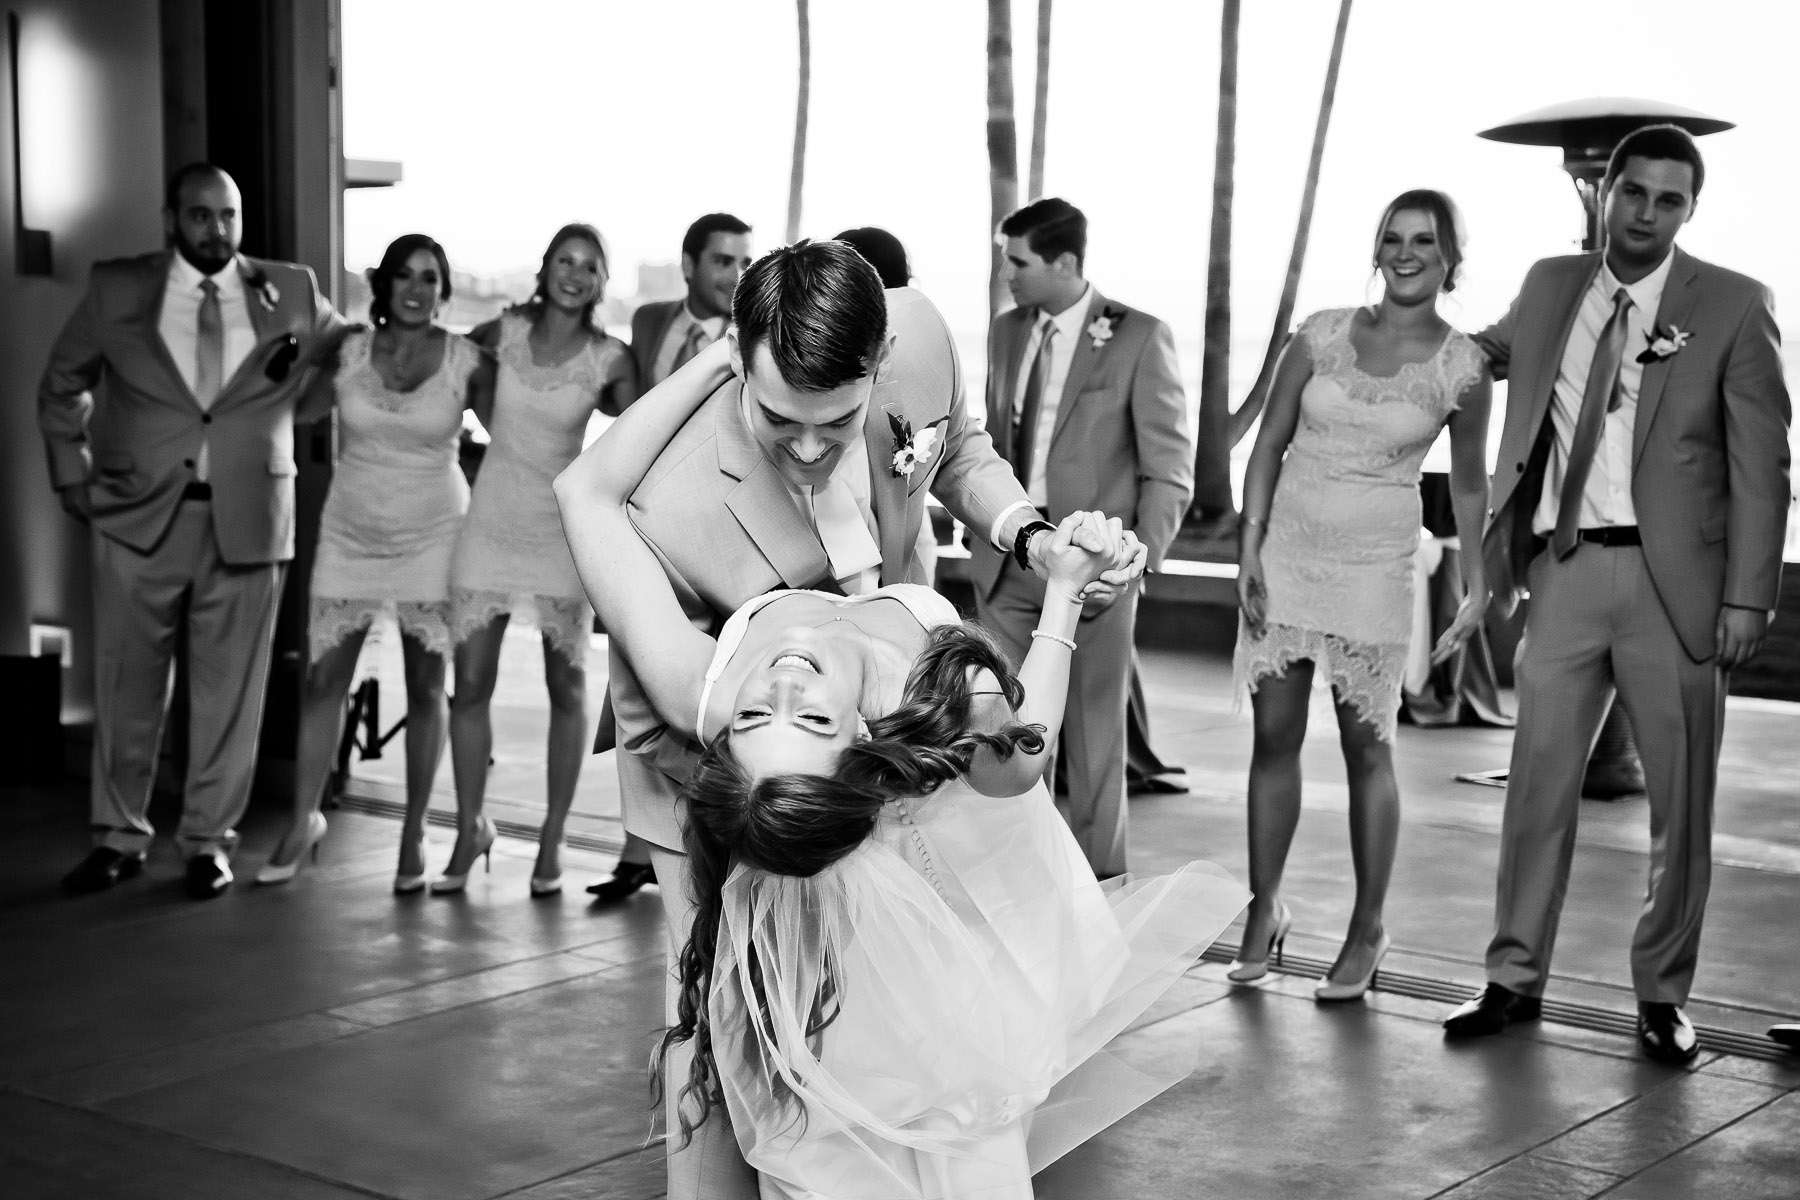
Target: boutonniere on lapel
259	282
913	449
1664	343
1100	329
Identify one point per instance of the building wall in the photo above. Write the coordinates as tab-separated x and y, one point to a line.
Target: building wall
92	146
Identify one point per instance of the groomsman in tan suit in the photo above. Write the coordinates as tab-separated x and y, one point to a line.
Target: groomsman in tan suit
664	334
1085	401
1641	496
168	413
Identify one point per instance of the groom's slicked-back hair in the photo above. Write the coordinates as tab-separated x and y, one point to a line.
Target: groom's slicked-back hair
1051	227
819	309
1656	141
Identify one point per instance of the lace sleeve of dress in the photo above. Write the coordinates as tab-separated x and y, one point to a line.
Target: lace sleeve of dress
1464	364
1321	334
353	352
464	357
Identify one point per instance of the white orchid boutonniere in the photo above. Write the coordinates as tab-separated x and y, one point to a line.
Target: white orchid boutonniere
1100	329
1664	343
913	449
259	282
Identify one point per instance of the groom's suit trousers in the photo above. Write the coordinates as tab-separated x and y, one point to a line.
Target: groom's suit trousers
1595	625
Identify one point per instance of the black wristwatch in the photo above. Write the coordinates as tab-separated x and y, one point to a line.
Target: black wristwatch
1022	543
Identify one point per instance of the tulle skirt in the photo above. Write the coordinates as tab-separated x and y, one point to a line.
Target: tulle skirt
931	1016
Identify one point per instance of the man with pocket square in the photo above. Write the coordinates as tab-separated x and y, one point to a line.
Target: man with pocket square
167	410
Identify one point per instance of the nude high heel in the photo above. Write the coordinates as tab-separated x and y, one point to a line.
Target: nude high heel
273	872
450	883
407	885
1331	992
1250	970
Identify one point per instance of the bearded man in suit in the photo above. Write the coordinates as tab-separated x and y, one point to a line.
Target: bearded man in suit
168	411
1641	496
807	465
1085	401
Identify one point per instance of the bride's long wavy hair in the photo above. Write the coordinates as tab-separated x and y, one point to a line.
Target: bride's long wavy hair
801	824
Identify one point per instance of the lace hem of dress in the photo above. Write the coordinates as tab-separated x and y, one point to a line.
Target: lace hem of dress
564	621
1365	676
329	621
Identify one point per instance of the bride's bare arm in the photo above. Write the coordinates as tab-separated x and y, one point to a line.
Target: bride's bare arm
1044	675
622	575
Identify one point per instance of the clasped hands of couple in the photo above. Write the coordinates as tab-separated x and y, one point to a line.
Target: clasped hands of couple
1253	601
1093	559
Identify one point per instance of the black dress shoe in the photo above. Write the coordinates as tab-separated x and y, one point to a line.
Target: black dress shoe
626	878
1489	1013
1787	1034
102	868
208	875
1665	1033
1157	785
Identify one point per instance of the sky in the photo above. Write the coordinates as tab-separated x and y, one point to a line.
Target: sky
511	120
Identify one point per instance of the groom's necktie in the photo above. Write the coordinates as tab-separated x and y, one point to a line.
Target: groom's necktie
844	533
1596	401
1024	441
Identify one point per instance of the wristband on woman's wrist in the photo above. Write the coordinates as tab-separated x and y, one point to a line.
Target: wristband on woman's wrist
1058	638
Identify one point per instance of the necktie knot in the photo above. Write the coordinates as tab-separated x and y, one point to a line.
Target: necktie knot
1621	299
209	289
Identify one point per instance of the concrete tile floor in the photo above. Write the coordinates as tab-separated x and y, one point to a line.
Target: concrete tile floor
329	1040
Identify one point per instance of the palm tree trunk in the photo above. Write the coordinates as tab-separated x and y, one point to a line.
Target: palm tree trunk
802	101
1212	447
1040	108
1002	138
1246	414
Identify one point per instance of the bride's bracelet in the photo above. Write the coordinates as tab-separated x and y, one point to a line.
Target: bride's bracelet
1054	637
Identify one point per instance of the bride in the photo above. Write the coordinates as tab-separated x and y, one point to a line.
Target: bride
902	979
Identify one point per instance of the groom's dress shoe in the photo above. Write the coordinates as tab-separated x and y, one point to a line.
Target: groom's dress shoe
1665	1033
208	875
1787	1034
1489	1013
626	878
101	869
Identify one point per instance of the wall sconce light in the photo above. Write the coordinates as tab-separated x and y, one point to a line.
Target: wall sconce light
31	246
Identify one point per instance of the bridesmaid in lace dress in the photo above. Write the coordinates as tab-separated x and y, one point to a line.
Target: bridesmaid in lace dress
1330	526
390	522
554	369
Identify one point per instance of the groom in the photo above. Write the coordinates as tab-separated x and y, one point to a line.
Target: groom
1641	496
808	468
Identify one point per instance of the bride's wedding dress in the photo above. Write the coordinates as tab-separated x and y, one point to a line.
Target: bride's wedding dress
936	1014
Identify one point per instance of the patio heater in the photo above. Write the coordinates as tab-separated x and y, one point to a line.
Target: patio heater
1586	131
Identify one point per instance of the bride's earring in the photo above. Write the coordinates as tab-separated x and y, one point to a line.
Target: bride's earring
862	728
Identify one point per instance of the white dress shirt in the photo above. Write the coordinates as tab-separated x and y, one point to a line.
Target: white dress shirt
1606	500
676	334
1069	325
179	326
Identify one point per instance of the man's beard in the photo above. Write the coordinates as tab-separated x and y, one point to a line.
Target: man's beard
209	259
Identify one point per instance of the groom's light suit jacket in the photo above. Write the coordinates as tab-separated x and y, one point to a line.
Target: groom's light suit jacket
117	414
726	528
1709	460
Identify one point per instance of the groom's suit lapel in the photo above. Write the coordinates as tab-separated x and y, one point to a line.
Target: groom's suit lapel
888	490
762	503
1680	295
1564	304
